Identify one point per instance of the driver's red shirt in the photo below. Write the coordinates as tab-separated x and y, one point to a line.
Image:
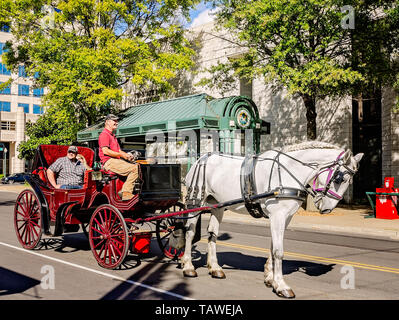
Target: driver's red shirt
107	139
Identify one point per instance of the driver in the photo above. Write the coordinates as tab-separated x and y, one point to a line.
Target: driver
110	155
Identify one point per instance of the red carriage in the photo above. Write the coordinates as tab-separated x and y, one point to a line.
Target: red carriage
114	226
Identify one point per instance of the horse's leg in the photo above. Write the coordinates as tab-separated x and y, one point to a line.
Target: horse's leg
186	260
213	230
268	273
277	226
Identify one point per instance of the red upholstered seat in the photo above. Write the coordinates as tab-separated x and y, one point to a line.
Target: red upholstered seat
51	153
41	172
48	154
86	179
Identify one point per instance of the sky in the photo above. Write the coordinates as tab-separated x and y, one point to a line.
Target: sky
201	15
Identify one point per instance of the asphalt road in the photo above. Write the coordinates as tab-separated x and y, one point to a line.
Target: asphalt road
316	266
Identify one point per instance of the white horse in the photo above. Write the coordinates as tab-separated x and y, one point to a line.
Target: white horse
325	169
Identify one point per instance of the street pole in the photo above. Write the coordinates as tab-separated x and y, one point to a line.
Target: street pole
2	146
5	162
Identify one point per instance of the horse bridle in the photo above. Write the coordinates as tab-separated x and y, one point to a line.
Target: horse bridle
334	175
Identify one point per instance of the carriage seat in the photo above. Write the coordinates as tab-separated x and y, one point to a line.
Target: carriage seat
42	173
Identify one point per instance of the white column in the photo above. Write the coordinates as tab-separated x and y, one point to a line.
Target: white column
19	164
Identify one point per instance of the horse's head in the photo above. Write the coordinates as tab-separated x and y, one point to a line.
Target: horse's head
333	180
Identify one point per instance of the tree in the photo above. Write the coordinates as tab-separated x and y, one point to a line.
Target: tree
53	127
374	41
304	46
84	51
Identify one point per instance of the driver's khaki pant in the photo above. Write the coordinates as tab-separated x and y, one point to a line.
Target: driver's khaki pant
124	168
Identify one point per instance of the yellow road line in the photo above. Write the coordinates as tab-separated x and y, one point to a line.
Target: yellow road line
309	257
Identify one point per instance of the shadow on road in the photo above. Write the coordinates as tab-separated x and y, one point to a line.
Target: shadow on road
240	261
152	274
7	203
12	282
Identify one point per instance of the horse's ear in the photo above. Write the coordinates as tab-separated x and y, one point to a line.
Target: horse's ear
358	157
347	155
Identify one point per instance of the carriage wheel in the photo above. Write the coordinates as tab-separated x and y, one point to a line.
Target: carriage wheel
27	219
164	230
108	236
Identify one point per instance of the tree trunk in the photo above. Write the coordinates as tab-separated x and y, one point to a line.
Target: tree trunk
310	104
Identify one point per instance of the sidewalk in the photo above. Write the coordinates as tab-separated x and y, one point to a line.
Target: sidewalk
341	220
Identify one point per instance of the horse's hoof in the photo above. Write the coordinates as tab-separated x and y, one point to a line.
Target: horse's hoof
190	273
217	274
286	293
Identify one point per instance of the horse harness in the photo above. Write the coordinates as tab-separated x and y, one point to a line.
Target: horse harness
248	186
248	182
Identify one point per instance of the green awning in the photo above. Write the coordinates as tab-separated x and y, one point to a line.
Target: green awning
184	113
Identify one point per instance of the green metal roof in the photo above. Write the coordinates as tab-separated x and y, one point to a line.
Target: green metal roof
189	112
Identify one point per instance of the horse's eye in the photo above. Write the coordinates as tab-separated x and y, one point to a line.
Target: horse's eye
339	178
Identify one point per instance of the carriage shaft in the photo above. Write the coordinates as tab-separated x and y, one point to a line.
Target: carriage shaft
208	208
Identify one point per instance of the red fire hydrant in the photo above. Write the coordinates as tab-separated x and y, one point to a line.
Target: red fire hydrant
386	204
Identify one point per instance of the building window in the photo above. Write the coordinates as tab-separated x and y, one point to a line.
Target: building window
5	28
7	125
37	109
5	106
22	72
4	70
6	90
23	90
25	106
38	92
245	87
2	48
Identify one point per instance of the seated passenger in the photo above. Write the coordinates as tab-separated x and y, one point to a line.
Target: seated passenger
69	169
82	159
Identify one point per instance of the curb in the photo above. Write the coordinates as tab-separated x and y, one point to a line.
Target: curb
348	231
13	188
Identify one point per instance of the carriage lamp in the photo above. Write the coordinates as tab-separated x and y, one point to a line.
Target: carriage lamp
96	176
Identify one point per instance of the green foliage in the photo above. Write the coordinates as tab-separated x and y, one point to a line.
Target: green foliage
85	51
302	46
53	127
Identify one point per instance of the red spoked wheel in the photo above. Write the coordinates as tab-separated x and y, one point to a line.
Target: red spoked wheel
171	230
27	219
108	236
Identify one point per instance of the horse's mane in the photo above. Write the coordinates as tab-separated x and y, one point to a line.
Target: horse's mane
314	144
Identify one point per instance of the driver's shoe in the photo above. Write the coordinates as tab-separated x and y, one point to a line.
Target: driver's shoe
127	196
